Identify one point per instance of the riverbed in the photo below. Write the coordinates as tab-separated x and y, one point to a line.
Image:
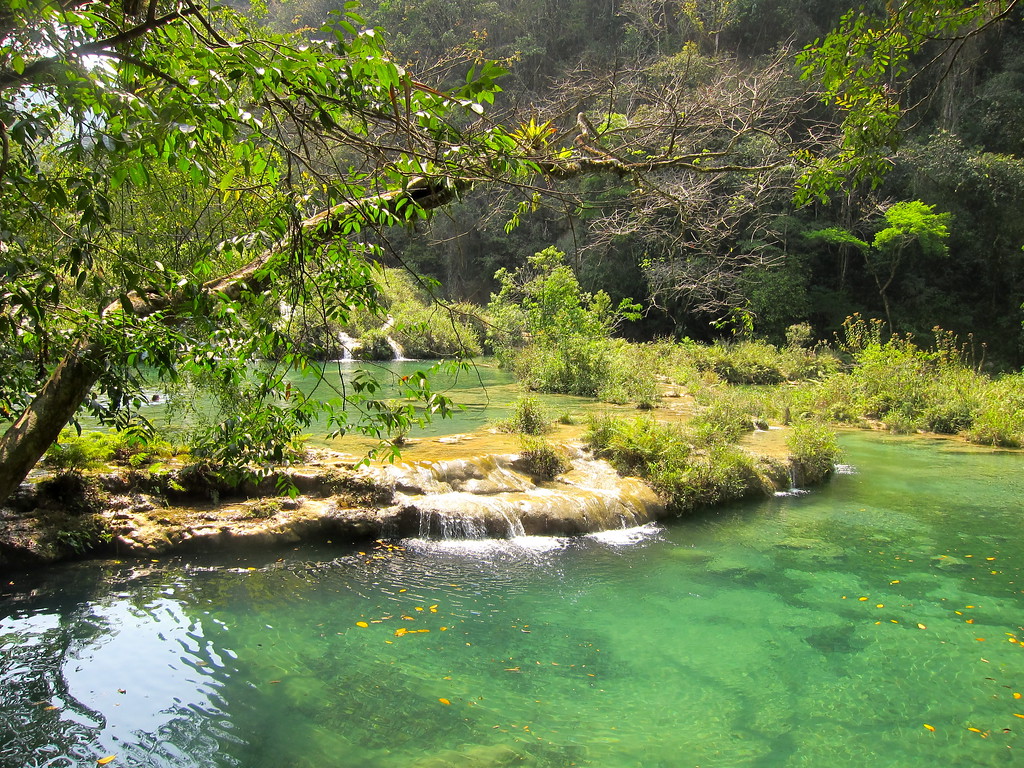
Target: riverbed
873	621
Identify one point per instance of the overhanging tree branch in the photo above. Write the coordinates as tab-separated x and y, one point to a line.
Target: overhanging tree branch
25	441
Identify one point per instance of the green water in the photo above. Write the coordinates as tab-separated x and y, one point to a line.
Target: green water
482	393
738	639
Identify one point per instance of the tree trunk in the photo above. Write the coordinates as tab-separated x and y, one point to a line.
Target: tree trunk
25	441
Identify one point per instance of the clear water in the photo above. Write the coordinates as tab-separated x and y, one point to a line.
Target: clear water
482	394
739	639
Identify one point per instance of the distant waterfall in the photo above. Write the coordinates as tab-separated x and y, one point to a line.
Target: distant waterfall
347	343
396	348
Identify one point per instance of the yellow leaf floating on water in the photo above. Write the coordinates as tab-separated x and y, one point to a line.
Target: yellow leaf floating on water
362	624
418	608
107	759
921	626
445	702
401	631
930	727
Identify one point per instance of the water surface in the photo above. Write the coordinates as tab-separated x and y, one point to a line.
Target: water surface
825	629
481	393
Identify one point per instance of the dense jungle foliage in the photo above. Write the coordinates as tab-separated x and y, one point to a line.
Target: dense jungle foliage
189	189
957	161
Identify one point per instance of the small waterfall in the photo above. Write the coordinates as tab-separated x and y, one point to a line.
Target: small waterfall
487	498
515	526
396	348
794	479
347	343
440	525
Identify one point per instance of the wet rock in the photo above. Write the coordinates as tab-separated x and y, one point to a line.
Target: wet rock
489	497
482	496
690	555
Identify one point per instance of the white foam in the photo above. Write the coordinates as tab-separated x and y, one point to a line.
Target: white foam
793	492
627	537
489	547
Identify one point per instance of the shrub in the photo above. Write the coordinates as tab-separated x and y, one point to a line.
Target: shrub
685	475
263	509
552	335
803	364
541	459
726	413
528	417
633	376
814	449
713	476
833	399
74	453
635	446
742	362
1000	417
910	388
799	335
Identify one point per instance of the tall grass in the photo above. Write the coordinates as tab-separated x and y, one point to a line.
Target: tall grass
896	383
